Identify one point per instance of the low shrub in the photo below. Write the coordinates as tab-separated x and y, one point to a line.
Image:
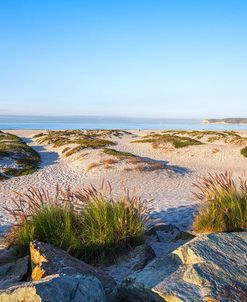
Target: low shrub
224	205
86	223
114	152
26	159
244	152
78	139
176	141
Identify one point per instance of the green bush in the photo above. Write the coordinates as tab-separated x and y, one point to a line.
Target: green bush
26	158
97	231
244	152
114	152
83	139
175	140
224	205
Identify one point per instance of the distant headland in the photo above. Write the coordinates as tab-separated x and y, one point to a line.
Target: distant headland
226	121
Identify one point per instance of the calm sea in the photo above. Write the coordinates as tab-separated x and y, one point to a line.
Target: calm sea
86	122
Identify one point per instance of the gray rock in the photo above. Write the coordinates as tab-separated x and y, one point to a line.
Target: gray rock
141	256
132	261
7	255
168	232
208	268
13	272
57	288
48	260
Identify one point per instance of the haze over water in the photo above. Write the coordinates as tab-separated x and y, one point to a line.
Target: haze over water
97	122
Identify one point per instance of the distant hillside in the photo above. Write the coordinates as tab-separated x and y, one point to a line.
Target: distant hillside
226	121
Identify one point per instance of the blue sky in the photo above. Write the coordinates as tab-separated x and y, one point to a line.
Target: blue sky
156	58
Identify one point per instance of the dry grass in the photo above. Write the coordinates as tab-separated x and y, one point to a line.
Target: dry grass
109	161
215	150
93	166
224	203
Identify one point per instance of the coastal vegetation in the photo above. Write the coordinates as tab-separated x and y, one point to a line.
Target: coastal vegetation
210	136
74	141
86	223
175	140
186	138
244	152
20	158
224	204
114	152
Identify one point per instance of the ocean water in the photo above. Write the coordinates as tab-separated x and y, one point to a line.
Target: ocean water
86	122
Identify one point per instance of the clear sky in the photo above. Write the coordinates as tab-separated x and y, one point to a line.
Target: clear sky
155	58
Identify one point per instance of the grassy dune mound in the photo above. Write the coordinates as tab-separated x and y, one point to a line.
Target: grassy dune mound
76	140
228	137
175	140
116	153
16	157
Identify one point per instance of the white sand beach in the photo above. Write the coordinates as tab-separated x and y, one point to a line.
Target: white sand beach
169	188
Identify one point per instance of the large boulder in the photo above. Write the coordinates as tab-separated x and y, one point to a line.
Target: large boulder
57	288
13	272
208	268
48	260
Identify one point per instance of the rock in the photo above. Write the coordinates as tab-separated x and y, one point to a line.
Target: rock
13	272
7	255
48	260
208	268
55	288
141	256
184	236
168	232
128	263
162	227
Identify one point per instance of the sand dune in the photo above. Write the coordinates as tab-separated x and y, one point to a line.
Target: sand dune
169	188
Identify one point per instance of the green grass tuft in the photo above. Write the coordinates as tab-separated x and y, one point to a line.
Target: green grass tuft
114	152
244	152
176	141
97	231
50	224
224	205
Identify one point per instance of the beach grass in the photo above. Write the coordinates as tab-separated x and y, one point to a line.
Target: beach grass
87	224
117	153
224	204
175	140
75	141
